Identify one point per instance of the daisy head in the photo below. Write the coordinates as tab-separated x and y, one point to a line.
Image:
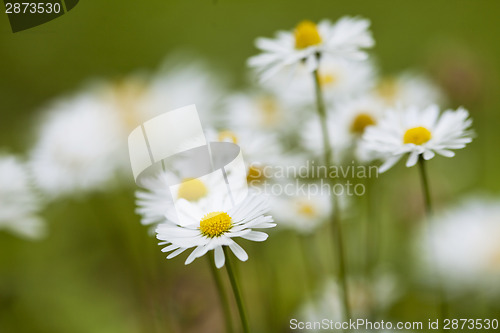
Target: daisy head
340	79
462	244
309	41
301	212
408	89
420	133
216	226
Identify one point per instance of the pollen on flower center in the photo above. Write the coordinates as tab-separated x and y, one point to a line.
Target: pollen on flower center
360	123
228	136
192	189
215	224
306	34
417	135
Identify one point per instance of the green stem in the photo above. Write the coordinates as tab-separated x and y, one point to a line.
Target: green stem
443	305
425	186
222	295
336	226
236	291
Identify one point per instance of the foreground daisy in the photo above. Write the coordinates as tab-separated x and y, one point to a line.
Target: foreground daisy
212	229
346	39
18	203
420	133
462	245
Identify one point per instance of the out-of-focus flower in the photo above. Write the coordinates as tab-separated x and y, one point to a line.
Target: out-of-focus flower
77	147
19	205
257	146
260	112
302	212
313	139
408	89
308	42
155	203
364	297
214	227
340	80
416	132
462	246
353	118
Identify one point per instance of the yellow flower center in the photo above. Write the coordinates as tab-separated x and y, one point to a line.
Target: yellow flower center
327	79
270	112
360	123
255	174
417	135
388	89
215	224
228	136
306	34
192	189
306	209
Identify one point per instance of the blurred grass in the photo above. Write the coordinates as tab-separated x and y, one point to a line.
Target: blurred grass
98	271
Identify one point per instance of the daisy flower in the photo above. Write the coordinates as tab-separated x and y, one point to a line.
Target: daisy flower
19	205
156	202
365	296
301	212
78	146
214	227
354	117
312	138
462	244
345	39
340	80
260	112
408	89
418	133
256	146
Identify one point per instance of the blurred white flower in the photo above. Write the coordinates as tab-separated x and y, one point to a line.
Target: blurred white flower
256	146
155	203
215	227
418	132
354	117
260	112
312	138
77	147
299	211
408	89
19	205
340	80
462	244
364	297
309	42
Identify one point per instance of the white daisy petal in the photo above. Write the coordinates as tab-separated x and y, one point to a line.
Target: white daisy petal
238	251
219	257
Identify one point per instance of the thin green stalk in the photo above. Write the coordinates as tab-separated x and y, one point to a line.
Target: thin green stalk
336	226
222	294
236	292
443	305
